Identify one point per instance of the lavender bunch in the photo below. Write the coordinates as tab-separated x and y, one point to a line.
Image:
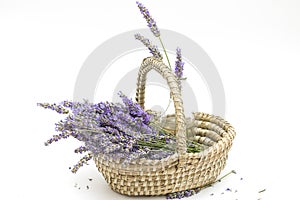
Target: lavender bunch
112	130
119	131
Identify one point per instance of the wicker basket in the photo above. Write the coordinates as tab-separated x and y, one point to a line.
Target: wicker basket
181	171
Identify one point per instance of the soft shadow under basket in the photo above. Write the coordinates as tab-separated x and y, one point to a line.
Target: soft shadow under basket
181	171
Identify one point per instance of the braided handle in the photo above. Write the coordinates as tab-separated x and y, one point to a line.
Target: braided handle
153	63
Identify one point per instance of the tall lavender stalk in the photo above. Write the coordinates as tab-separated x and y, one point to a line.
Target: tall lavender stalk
153	27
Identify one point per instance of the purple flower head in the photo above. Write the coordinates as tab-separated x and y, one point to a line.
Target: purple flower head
179	64
135	109
151	23
152	48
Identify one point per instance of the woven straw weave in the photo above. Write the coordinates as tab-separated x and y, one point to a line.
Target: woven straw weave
181	171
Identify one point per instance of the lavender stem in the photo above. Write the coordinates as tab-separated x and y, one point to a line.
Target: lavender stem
163	46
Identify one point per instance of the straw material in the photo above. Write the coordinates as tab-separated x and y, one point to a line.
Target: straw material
181	171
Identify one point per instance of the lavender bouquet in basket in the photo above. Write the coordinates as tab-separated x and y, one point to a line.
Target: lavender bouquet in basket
119	130
114	130
127	133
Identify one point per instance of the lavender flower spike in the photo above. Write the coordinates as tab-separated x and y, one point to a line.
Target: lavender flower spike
153	49
58	108
151	23
179	64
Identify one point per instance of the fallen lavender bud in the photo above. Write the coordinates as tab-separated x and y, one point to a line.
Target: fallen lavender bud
181	194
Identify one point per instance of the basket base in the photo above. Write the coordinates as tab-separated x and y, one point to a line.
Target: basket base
192	170
163	182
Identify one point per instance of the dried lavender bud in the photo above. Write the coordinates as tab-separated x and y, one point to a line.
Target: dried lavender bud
181	194
151	22
152	48
80	149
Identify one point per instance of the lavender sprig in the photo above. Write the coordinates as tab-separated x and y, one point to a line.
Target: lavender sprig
55	138
179	64
151	22
153	49
135	109
82	161
153	27
58	108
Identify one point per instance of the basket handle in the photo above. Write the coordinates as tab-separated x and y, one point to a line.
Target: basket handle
153	63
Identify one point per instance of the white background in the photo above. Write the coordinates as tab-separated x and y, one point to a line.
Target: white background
254	44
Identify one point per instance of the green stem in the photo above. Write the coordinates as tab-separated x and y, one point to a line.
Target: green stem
219	180
231	172
154	145
162	44
262	191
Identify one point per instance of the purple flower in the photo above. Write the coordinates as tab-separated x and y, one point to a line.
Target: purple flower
153	49
114	130
179	64
151	23
135	109
81	149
